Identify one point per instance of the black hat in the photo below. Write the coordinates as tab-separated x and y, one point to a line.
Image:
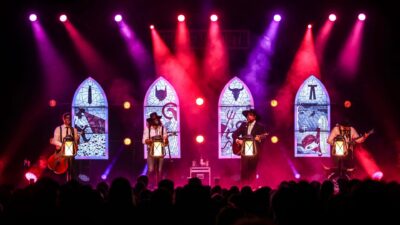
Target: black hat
152	116
253	111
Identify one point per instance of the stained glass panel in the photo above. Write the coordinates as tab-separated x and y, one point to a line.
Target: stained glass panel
312	119
161	97
234	98
90	118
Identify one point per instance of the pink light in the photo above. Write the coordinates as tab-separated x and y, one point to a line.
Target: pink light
52	103
277	17
213	17
309	26
377	175
30	176
199	101
332	17
152	27
362	16
297	176
199	139
181	18
118	18
63	18
32	17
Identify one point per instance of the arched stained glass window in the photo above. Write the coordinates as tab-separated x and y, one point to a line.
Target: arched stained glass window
234	98
312	119
90	118
161	98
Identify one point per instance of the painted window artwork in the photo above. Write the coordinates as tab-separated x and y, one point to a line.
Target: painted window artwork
161	98
312	119
234	98
90	118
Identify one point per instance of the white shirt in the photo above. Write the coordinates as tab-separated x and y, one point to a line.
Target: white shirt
154	132
57	140
250	127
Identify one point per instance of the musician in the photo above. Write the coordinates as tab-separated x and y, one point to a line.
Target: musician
351	138
154	129
60	132
251	128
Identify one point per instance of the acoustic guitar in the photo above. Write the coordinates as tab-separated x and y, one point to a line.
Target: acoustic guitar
237	148
57	162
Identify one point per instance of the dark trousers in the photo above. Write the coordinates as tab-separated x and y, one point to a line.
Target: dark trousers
248	169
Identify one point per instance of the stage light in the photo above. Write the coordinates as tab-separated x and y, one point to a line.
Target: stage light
277	17
297	176
181	18
377	175
347	104
63	18
127	105
309	26
332	17
52	103
362	16
127	141
274	103
199	101
32	17
31	177
152	26
118	18
199	138
84	177
274	139
213	17
104	177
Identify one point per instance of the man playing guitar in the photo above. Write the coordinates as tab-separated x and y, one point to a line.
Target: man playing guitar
57	162
252	127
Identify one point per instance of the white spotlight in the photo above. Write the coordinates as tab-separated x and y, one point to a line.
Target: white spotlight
213	17
277	17
63	18
118	18
362	16
32	17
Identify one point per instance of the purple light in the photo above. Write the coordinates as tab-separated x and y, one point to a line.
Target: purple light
362	16
118	18
33	17
332	17
297	176
103	177
213	17
63	18
277	17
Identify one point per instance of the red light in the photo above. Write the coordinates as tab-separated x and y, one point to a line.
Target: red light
347	104
52	103
151	26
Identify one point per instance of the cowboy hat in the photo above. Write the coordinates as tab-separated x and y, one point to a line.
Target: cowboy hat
152	116
252	111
